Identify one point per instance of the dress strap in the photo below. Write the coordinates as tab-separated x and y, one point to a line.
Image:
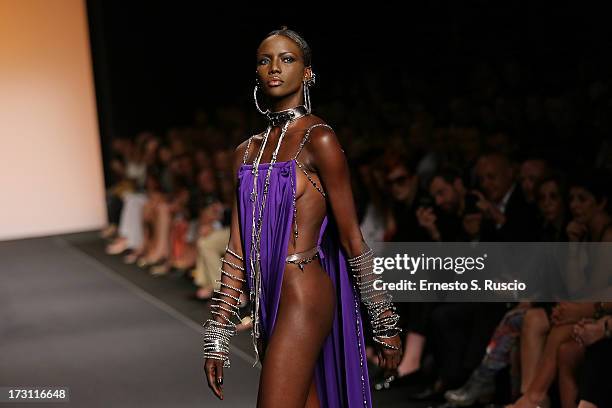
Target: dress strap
300	165
307	135
246	150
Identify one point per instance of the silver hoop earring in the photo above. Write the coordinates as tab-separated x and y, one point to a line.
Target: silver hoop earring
306	96
257	103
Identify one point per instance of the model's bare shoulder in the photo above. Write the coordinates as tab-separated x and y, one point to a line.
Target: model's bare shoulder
323	139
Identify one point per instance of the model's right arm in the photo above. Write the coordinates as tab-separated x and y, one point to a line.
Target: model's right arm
225	302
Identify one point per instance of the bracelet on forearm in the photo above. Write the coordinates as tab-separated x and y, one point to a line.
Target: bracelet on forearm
384	344
377	302
216	340
217	335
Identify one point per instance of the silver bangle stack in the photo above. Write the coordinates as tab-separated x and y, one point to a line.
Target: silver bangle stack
376	301
217	334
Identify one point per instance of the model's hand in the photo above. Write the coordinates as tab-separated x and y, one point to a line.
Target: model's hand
214	375
389	359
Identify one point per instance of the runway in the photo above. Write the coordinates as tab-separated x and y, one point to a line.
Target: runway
72	316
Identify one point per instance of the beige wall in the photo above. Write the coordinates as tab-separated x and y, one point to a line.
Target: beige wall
51	178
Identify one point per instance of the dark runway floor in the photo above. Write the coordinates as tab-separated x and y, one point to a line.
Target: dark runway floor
72	316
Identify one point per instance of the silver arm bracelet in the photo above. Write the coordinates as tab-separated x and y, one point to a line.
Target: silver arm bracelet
216	340
376	301
218	333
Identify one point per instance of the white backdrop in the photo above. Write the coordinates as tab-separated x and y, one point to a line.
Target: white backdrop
51	178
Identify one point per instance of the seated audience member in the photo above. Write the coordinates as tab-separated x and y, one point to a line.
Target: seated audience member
531	172
131	232
589	200
481	384
594	382
403	185
452	202
551	198
119	186
503	202
140	160
183	218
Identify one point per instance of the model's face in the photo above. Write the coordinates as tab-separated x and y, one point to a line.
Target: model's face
550	201
280	67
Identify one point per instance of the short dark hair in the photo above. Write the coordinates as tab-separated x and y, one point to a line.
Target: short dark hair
298	39
596	181
554	177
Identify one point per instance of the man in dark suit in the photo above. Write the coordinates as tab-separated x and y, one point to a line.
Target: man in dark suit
502	202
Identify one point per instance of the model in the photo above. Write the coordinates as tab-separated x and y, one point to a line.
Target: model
296	244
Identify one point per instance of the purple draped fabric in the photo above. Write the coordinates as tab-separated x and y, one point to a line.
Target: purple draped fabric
341	374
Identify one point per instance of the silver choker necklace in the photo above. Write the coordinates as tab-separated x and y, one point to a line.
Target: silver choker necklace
280	117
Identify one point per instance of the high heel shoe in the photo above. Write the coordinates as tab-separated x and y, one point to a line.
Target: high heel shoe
143	262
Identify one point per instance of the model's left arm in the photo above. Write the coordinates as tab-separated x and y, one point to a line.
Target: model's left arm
329	160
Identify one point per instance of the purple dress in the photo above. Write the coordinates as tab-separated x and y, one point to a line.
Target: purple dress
341	374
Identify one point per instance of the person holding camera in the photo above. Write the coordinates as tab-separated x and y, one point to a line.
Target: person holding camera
455	216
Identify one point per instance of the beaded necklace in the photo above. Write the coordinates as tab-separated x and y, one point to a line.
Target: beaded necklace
275	118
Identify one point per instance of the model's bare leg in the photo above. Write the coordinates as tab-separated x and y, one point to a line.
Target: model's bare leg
533	337
313	399
305	318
